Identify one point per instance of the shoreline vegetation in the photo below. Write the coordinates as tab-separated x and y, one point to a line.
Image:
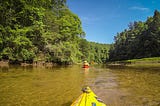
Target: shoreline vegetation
44	31
143	62
48	33
140	40
34	64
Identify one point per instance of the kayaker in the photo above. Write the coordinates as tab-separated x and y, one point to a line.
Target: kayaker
86	63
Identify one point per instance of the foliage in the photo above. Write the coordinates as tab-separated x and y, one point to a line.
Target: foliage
98	52
141	40
44	30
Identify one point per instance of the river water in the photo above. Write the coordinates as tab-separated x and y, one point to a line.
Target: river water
60	86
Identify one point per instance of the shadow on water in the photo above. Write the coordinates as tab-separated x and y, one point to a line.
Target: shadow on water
4	69
133	68
67	104
116	85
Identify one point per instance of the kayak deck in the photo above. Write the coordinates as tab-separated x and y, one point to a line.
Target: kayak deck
87	98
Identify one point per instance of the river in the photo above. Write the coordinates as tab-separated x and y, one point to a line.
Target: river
60	86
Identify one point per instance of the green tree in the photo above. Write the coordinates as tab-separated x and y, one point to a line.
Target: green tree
140	40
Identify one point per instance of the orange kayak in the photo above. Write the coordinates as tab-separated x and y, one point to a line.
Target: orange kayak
85	66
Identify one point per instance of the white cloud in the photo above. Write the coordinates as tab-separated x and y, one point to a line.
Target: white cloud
89	20
139	8
84	18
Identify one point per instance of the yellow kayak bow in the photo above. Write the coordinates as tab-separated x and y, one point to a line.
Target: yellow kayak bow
87	98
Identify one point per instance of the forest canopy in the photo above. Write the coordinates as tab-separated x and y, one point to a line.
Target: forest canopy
44	30
140	40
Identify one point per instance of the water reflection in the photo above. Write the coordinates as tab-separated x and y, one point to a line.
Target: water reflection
60	86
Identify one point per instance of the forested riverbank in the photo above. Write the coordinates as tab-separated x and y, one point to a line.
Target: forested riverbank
139	45
144	63
140	40
48	32
38	31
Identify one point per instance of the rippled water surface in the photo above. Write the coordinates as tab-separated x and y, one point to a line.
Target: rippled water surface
60	86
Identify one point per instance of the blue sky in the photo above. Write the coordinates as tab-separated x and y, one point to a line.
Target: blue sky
102	19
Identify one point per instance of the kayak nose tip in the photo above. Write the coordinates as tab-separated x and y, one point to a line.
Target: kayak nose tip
86	89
